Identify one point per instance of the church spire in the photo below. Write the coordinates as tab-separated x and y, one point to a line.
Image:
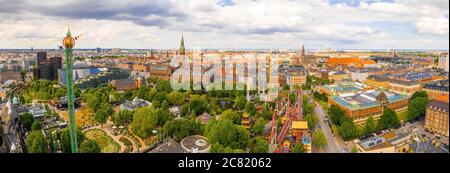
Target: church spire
303	50
303	55
182	50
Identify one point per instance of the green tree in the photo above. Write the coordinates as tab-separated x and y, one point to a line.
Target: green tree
319	139
90	146
388	120
65	139
337	115
160	97
163	86
179	129
152	94
306	86
266	113
156	103
348	130
214	108
250	108
312	120
103	113
419	94
334	129
36	142
308	108
259	145
165	105
185	109
370	126
292	98
198	104
298	148
417	108
143	92
259	126
36	126
176	98
218	148
145	120
227	134
122	117
232	116
27	120
100	117
240	102
319	96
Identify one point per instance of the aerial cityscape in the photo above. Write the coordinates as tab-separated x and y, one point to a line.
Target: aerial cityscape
224	76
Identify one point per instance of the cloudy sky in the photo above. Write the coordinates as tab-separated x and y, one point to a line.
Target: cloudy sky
319	24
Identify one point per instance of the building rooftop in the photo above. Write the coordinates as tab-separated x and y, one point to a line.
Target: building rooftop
442	85
346	86
123	81
441	105
443	98
378	78
413	76
386	140
365	99
340	73
134	104
405	82
300	125
195	144
169	147
291	69
161	67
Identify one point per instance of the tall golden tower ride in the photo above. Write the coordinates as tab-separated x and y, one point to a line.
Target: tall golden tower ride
69	43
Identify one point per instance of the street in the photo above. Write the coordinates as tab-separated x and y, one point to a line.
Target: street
334	145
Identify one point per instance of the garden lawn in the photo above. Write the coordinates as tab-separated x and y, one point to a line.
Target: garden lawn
106	143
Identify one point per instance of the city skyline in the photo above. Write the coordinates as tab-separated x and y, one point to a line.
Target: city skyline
229	24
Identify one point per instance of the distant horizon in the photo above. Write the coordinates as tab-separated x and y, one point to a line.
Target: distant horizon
242	49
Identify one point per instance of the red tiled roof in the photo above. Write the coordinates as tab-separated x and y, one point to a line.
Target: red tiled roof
443	98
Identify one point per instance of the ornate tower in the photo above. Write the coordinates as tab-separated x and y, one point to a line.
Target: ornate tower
182	50
69	43
303	55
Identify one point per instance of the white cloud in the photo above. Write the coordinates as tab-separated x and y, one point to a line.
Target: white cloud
436	26
246	24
